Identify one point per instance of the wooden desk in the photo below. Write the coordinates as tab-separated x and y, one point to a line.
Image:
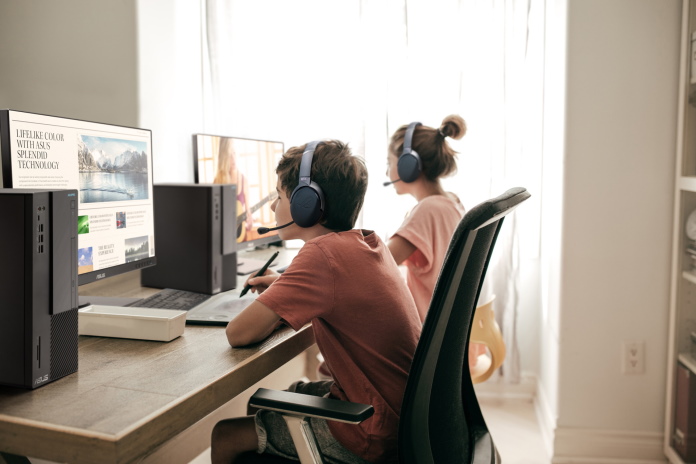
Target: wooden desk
130	396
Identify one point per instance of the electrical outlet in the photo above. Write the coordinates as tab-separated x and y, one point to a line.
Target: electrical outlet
633	361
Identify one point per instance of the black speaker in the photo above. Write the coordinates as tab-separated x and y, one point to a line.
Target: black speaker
38	286
195	237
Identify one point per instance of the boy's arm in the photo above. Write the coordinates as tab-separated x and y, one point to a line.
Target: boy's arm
259	284
252	325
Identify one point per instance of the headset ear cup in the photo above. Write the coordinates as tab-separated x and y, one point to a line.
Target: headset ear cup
409	166
307	204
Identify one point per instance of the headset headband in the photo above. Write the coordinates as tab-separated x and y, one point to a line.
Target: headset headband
408	137
306	163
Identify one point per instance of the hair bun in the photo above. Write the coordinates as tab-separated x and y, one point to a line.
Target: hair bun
453	126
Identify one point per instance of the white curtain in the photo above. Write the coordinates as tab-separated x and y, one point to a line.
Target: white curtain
356	70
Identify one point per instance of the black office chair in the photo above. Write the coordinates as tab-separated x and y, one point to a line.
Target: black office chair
441	422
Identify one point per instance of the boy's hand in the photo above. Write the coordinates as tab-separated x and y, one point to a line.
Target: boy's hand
261	283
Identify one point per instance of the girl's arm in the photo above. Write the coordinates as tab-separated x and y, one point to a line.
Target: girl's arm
400	248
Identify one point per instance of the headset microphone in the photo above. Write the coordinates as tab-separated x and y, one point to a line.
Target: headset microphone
265	230
392	182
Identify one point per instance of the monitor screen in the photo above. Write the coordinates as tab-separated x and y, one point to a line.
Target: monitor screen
110	166
251	165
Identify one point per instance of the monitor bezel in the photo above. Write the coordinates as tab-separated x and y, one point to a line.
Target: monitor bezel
5	160
273	238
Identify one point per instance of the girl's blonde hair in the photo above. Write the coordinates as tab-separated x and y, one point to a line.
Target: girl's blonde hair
224	160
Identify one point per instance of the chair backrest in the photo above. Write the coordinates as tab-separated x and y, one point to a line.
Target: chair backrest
441	421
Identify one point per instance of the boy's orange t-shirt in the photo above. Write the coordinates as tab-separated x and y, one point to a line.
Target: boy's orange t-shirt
365	324
429	227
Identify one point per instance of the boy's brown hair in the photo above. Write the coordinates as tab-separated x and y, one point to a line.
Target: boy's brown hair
341	176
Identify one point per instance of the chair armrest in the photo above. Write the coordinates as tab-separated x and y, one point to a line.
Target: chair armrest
299	404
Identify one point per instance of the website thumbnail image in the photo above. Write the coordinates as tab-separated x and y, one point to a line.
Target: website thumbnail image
104	254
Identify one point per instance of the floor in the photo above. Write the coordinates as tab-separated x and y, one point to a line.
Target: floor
515	430
512	423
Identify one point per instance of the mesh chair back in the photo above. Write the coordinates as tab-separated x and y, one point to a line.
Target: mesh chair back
441	421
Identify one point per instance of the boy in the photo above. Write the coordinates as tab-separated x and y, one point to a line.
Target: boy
364	319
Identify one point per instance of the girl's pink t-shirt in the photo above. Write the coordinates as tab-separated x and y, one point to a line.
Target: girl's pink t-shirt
429	227
365	324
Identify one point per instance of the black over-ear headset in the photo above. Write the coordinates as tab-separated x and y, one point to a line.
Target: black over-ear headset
307	200
409	164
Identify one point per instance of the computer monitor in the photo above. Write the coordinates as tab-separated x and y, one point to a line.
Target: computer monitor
110	166
250	164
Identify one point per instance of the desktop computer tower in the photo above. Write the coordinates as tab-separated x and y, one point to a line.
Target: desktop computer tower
38	286
195	238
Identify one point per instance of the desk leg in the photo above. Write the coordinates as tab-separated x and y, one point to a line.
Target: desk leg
6	458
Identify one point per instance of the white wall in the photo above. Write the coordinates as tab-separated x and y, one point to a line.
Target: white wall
552	213
621	81
86	60
73	58
170	83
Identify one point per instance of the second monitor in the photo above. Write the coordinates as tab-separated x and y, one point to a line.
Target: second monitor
249	164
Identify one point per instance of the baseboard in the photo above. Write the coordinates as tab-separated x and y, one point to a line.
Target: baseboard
597	446
575	445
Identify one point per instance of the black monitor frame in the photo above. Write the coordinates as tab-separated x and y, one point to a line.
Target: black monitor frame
7	182
259	241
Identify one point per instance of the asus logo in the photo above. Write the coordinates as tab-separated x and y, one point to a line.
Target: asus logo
101	276
42	379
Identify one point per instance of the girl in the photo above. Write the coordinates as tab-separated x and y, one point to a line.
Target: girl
422	240
418	157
